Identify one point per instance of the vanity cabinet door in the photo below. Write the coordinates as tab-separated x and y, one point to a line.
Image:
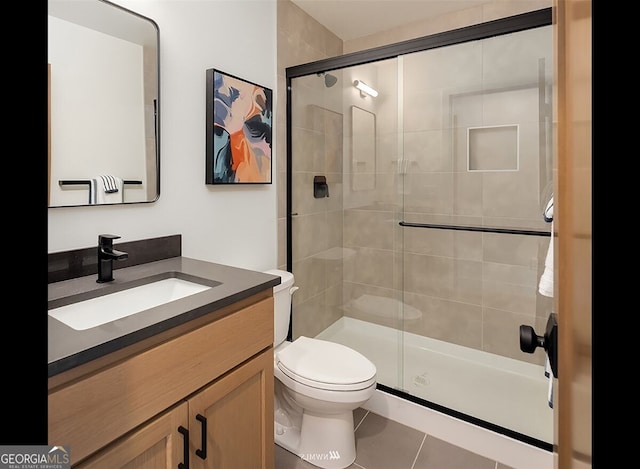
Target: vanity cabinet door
156	445
235	415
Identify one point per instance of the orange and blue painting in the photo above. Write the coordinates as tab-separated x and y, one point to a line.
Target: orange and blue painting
239	122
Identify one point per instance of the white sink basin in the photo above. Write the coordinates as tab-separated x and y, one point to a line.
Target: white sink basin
103	309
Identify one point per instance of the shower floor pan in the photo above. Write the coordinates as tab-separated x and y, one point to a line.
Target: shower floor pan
506	392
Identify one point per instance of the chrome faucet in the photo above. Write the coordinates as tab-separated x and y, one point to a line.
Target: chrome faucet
106	256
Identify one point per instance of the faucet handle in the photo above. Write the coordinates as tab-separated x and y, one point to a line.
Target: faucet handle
107	237
106	240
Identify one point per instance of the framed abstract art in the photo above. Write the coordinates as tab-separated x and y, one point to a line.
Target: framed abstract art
239	118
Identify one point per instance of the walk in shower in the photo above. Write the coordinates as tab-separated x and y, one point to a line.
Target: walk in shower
415	215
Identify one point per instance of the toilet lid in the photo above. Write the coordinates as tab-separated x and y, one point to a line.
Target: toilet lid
326	365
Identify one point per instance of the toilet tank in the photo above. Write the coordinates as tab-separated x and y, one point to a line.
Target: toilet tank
282	304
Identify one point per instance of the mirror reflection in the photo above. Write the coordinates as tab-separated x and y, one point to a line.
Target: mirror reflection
103	104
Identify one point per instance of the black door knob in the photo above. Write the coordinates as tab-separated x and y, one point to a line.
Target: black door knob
530	341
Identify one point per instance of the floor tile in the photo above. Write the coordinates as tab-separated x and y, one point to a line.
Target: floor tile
358	415
438	454
385	444
288	460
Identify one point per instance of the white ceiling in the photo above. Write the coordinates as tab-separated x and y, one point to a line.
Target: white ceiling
350	19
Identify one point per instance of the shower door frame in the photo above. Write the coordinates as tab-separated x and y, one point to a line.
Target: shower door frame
498	27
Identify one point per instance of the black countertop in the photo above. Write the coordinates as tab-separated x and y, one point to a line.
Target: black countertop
68	348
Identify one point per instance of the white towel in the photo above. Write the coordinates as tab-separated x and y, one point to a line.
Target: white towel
545	287
548	211
105	193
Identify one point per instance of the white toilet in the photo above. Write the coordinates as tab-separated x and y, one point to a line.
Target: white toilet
318	384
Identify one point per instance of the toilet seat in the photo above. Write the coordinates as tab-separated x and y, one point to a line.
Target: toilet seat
325	365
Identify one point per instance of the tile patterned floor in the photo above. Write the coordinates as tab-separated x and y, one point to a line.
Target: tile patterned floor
384	444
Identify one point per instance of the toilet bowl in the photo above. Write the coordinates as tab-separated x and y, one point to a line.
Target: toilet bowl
318	384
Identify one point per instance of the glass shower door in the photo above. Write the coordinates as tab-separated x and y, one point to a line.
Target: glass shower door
477	173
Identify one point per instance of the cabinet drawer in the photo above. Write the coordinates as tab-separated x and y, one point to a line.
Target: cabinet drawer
94	411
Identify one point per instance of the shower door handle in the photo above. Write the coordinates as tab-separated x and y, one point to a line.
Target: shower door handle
530	341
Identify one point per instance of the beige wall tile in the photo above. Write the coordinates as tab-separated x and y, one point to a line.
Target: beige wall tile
501	334
308	148
467	198
451	321
335	238
377	305
310	276
428	192
316	314
427	241
370	266
282	194
367	228
510	296
282	243
333	144
306	315
500	9
428	275
310	234
497	190
426	149
511	249
467	281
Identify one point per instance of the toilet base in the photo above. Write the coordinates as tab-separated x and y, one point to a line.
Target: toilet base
326	441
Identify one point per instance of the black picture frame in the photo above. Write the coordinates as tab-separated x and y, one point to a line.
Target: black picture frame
239	123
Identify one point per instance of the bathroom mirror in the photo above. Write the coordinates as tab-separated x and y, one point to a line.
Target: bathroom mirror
363	157
104	107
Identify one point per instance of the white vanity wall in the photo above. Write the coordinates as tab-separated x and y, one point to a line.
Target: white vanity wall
234	225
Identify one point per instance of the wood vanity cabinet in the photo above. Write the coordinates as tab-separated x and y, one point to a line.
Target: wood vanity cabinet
199	399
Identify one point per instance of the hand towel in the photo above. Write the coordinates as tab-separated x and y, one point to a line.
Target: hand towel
109	190
109	183
545	287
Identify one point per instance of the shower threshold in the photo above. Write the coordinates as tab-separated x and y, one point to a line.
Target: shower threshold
502	391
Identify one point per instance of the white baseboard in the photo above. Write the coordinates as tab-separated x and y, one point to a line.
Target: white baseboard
487	443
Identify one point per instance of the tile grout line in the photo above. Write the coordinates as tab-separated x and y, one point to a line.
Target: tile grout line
418	452
361	420
354	430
